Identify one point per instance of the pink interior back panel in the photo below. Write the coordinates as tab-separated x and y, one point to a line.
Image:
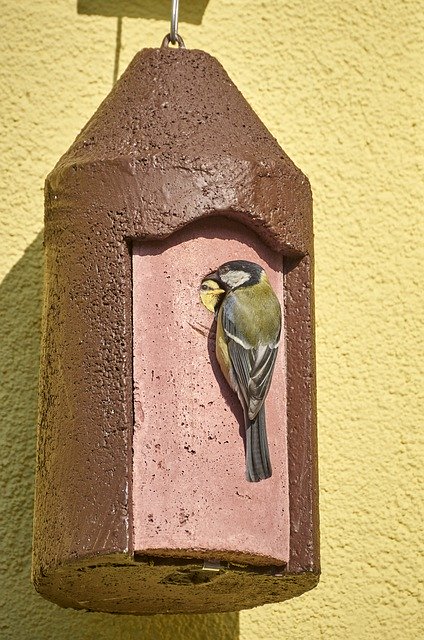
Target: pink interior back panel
189	487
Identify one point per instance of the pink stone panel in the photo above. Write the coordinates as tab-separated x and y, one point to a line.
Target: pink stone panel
190	495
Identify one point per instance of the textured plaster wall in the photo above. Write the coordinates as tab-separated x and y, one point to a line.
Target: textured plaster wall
339	84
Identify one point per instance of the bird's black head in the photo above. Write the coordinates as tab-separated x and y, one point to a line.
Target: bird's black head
238	273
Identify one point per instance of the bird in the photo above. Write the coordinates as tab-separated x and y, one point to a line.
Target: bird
248	316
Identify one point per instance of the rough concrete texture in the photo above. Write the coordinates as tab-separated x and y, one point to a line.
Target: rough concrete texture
347	78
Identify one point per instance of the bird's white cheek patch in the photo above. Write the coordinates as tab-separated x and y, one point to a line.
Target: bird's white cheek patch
235	278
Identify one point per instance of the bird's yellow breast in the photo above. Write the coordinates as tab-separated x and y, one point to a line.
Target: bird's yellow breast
222	354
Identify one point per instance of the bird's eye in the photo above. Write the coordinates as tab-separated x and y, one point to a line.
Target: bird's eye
204	287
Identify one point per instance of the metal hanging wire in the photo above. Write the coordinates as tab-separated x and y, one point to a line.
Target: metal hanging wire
173	37
174	20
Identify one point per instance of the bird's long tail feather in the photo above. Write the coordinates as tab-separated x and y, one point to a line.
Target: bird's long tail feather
258	464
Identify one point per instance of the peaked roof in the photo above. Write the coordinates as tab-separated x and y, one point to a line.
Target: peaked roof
177	110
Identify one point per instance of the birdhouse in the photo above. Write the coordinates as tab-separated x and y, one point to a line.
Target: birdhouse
142	502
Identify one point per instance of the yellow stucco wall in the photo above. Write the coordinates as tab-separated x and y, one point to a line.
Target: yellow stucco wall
339	84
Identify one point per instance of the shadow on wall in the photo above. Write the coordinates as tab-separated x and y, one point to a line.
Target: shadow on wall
26	614
191	12
151	9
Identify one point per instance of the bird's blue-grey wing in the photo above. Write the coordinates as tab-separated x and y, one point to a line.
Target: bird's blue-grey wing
253	367
261	376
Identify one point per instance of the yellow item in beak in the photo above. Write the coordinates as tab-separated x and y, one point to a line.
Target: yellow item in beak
210	294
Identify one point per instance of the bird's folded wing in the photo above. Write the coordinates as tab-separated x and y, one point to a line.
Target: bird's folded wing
253	367
260	377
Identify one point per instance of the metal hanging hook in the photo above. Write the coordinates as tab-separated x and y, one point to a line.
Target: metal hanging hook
173	36
174	20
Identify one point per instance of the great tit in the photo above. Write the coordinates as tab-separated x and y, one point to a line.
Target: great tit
248	316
